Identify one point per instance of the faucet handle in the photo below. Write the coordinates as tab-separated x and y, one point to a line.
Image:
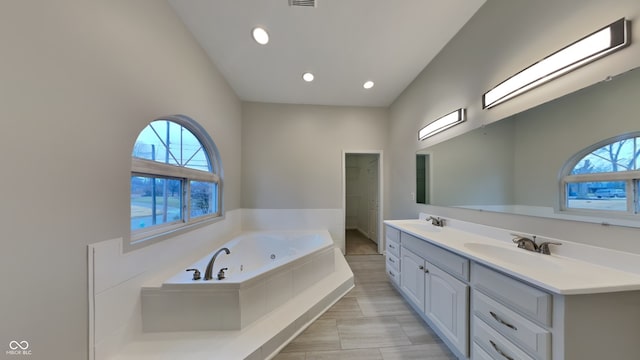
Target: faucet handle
436	221
221	273
525	243
196	273
544	247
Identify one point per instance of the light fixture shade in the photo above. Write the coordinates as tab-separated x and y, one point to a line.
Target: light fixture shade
603	42
442	124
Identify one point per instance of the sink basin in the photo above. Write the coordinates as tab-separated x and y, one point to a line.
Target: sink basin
514	256
422	226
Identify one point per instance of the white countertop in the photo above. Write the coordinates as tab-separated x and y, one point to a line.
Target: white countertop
563	275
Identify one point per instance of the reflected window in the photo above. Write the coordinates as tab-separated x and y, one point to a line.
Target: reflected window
175	177
604	178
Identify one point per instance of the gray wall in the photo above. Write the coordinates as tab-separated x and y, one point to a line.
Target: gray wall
78	81
292	154
504	37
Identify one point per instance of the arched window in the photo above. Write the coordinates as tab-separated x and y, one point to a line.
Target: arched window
175	177
604	178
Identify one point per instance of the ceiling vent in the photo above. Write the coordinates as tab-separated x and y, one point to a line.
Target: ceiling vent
308	3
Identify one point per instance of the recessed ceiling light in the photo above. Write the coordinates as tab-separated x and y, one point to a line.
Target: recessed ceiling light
260	35
368	85
308	77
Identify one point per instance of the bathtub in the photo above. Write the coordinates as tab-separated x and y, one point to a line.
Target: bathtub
265	270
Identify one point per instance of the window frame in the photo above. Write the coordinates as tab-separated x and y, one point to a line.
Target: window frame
150	168
630	177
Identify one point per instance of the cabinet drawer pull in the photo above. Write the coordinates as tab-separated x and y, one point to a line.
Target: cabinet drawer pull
421	267
495	347
391	246
497	318
392	274
391	260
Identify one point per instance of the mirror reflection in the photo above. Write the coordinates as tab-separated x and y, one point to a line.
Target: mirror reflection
516	164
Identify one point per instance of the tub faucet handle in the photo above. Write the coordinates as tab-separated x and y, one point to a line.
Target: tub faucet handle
196	273
221	273
544	247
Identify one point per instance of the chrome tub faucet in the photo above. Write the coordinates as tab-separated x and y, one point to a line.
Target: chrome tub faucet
208	273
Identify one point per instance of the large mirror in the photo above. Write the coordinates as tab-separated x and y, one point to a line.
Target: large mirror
514	165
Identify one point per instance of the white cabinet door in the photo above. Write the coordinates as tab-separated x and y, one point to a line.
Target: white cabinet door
446	304
412	279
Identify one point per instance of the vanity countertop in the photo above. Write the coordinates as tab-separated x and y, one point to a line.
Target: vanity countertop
563	275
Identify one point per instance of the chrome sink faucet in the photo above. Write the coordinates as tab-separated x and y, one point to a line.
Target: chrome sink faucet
436	221
531	245
208	274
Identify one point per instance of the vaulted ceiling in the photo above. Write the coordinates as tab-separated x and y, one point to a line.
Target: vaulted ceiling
342	42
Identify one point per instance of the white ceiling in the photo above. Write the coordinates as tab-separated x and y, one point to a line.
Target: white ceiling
342	42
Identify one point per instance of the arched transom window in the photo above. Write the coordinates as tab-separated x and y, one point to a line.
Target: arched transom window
604	177
175	177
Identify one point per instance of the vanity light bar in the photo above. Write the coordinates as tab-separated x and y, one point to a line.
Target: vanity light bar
603	42
442	124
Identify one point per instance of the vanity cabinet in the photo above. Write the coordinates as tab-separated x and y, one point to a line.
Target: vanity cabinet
510	318
440	296
446	303
483	312
392	254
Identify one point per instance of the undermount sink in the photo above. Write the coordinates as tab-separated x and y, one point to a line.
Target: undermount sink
422	225
514	256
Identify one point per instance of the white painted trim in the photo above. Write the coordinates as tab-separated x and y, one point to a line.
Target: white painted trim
381	238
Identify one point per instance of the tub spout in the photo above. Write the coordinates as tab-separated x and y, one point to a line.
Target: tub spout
208	274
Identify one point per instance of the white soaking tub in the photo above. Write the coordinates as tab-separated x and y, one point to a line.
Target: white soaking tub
265	270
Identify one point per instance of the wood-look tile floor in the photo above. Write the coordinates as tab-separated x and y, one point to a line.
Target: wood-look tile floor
372	322
358	244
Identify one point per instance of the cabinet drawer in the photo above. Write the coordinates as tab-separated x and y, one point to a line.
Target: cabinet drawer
494	344
531	337
454	264
392	234
533	303
394	276
393	248
393	262
478	353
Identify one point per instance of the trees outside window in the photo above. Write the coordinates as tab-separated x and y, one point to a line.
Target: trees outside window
604	177
175	179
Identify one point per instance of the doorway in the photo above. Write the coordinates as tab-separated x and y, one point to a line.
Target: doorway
362	184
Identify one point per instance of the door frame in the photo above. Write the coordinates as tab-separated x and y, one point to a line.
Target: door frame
379	225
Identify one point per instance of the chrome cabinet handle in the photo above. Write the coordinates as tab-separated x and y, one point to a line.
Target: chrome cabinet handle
391	260
391	246
497	318
495	347
392	274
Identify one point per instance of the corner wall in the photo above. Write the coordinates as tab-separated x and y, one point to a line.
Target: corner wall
78	81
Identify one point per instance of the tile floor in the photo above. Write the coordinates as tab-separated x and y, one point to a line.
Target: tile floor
357	244
372	322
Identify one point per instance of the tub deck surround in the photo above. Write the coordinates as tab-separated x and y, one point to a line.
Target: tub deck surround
252	255
580	269
265	270
260	340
